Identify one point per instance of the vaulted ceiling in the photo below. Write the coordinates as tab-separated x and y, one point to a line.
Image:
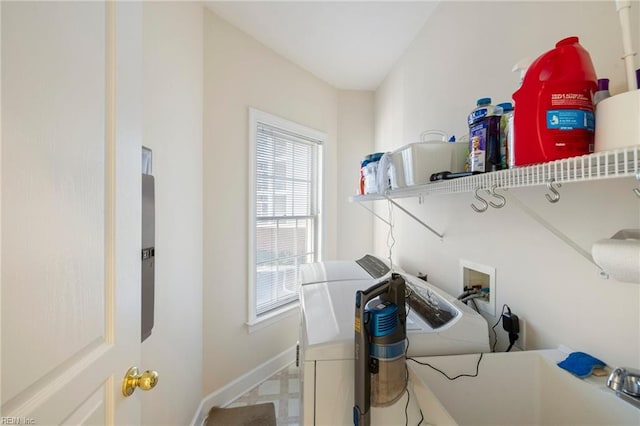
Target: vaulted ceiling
350	45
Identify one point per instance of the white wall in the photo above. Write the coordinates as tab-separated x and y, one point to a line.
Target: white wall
356	139
173	99
466	51
239	73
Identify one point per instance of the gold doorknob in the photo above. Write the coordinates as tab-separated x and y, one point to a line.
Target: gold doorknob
133	379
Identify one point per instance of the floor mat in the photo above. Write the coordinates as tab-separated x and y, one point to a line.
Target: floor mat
250	415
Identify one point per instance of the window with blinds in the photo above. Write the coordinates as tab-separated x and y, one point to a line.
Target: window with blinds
285	213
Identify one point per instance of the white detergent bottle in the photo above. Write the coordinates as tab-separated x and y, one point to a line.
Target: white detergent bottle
520	67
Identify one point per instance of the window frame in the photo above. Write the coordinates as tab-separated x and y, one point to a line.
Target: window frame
257	116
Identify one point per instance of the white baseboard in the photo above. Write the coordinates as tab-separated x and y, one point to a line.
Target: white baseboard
238	387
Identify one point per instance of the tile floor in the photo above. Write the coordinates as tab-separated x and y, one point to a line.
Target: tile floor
283	389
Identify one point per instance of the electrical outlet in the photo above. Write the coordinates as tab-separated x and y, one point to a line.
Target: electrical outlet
480	276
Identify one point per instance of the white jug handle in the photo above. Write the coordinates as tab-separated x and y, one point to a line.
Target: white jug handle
443	135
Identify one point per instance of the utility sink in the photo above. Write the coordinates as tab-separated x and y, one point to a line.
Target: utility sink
515	388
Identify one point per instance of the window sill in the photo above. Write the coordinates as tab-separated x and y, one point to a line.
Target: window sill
273	317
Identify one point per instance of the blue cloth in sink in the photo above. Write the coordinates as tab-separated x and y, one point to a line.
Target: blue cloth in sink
581	364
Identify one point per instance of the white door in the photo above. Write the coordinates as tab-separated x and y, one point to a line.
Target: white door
70	211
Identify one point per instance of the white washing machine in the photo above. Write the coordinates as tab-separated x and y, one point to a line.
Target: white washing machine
326	352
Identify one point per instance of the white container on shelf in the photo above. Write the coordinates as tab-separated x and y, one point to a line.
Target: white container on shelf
414	163
618	121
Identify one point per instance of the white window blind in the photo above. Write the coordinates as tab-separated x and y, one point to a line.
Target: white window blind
286	206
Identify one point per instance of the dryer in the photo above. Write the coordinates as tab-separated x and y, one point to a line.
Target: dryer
445	326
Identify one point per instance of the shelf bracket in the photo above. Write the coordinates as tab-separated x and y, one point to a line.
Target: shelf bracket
412	216
375	214
555	231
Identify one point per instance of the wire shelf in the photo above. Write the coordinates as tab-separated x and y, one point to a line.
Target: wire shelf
623	162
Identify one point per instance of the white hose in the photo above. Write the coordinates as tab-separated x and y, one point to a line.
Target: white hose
623	8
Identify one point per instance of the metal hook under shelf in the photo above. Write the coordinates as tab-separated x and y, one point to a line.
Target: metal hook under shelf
492	192
556	195
484	206
637	190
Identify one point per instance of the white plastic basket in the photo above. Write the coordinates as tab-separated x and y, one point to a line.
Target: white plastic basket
414	163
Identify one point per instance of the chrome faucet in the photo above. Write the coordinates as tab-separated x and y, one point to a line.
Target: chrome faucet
626	383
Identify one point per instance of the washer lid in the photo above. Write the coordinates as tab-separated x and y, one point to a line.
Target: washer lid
367	268
328	310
